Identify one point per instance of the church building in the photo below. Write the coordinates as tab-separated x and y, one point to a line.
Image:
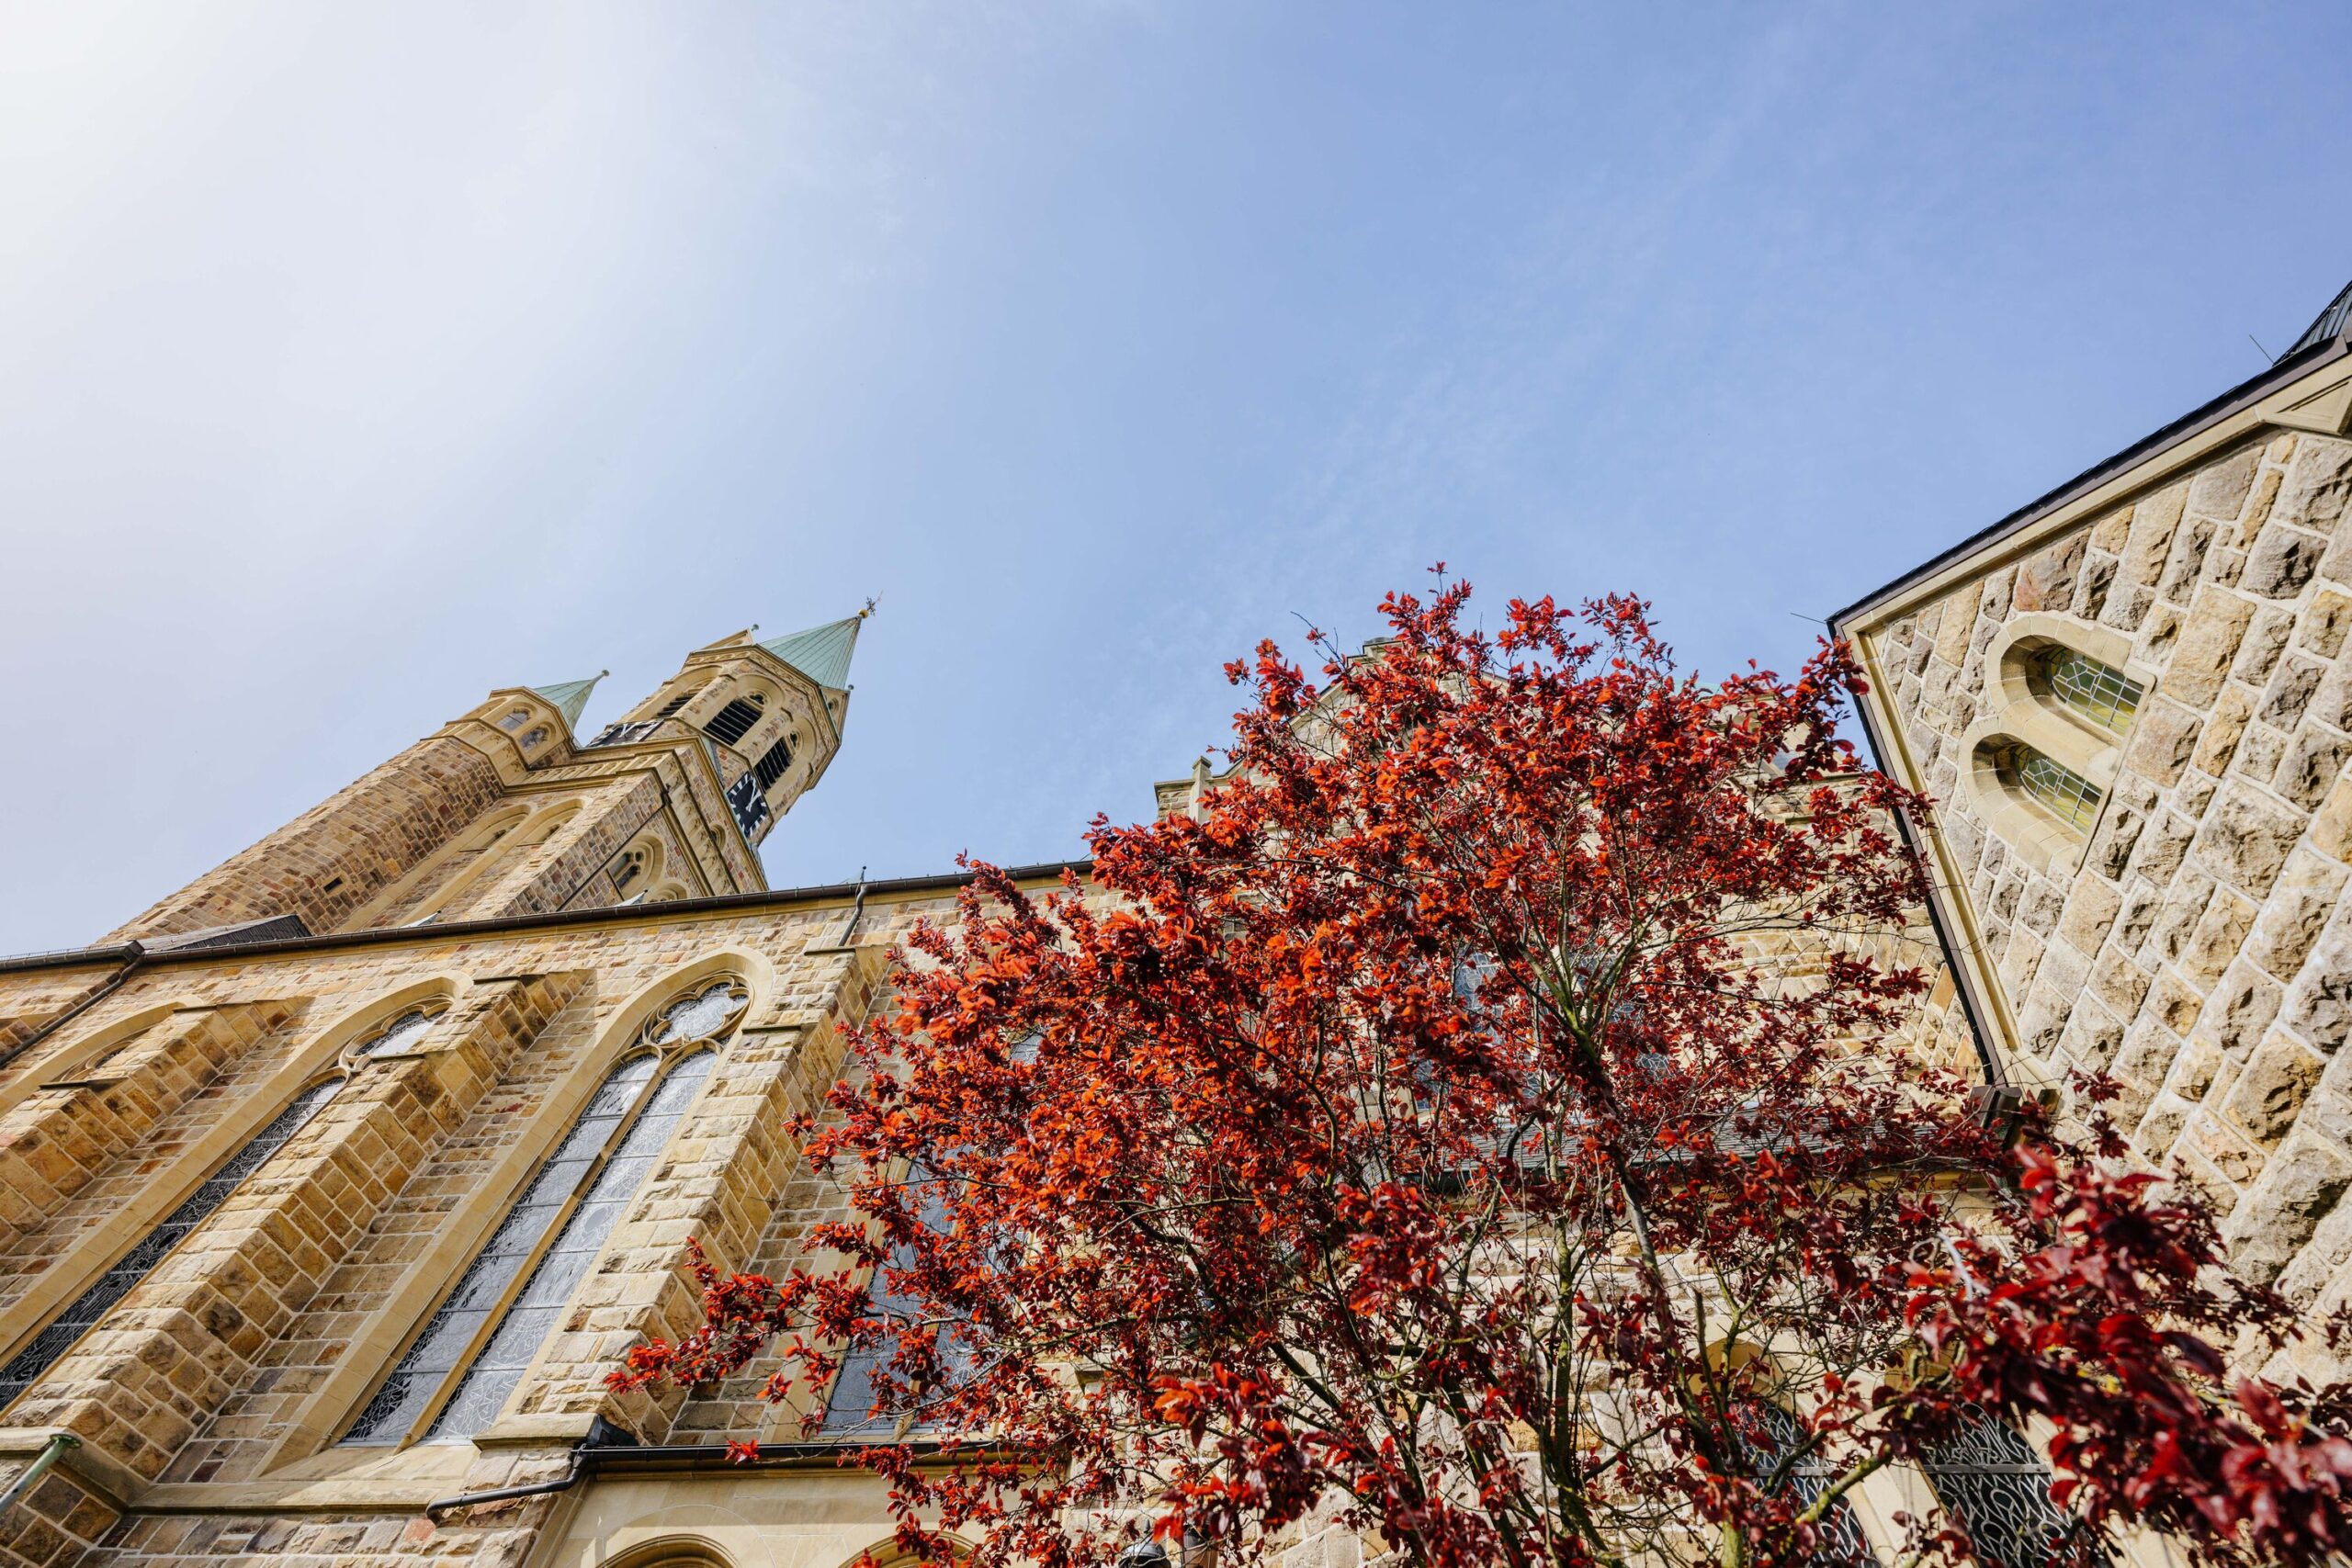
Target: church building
333	1185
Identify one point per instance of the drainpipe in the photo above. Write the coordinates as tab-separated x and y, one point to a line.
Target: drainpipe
856	912
132	956
50	1453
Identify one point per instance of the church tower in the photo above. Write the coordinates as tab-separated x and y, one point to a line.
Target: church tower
507	811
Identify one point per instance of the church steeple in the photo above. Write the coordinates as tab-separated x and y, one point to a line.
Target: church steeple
508	810
570	697
822	653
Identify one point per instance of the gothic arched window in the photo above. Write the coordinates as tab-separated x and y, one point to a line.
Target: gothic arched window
93	1304
1991	1481
401	1033
2051	784
734	721
477	1346
2089	689
866	1400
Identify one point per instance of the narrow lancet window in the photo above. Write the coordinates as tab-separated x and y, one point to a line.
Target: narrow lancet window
116	1283
548	1292
2056	788
2097	692
851	1410
576	1197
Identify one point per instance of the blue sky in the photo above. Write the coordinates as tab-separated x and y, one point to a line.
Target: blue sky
362	359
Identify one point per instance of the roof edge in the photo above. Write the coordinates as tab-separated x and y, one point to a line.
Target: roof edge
624	914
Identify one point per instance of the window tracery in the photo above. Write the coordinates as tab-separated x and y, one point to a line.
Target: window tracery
704	1016
401	1033
478	1343
1990	1480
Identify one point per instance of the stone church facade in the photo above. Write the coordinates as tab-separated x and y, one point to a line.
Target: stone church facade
332	1184
2132	702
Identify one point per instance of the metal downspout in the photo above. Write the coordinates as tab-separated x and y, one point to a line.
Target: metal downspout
51	1452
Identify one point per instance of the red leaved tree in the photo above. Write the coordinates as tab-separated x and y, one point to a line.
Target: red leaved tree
1487	1125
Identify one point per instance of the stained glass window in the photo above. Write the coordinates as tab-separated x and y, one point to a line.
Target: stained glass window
458	1325
850	1410
698	1017
2064	792
1991	1481
1844	1546
546	1294
2096	692
116	1283
403	1033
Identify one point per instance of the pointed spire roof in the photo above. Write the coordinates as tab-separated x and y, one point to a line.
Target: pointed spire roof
570	697
822	653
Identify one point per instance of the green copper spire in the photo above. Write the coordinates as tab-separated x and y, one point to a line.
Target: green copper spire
570	697
822	653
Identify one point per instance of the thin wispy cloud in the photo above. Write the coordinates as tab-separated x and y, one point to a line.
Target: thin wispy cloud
362	360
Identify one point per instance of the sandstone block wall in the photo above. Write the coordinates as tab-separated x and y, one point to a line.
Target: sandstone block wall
2196	941
335	857
210	1399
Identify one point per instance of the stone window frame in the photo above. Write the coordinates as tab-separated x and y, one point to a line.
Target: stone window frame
669	1548
435	999
2022	713
88	1064
656	855
641	1041
331	1079
775	720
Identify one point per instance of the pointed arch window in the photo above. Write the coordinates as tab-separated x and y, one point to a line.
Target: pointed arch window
734	721
2091	690
1783	1436
865	1401
477	1346
2053	786
403	1033
117	1282
1991	1481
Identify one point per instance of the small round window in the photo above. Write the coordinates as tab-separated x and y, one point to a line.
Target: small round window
705	1015
402	1034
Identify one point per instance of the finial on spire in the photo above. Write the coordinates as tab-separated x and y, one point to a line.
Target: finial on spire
873	603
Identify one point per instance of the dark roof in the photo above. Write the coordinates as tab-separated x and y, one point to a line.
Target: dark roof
2331	323
614	914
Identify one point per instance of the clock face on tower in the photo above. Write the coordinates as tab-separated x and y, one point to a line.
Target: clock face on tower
750	805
